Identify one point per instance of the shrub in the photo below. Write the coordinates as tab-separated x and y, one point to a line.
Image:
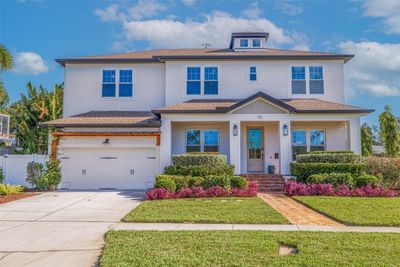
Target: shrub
199	191
250	191
216	191
51	176
159	193
332	152
316	179
333	178
299	189
180	181
195	181
389	168
7	189
34	170
199	159
303	170
366	179
217	180
202	171
168	184
329	158
238	182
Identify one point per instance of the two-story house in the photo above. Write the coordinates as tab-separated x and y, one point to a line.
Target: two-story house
126	114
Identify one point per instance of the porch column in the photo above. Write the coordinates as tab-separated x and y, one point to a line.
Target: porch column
355	135
234	145
165	144
285	145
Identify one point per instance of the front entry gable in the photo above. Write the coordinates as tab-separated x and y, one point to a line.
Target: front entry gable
261	103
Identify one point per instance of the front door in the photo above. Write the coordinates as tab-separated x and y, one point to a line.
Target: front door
255	149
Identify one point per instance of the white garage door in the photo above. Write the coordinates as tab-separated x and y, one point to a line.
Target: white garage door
97	168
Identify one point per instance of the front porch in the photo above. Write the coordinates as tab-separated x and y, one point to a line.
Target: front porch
256	142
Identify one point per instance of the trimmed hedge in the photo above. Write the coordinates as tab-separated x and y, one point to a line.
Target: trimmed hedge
182	181
303	170
366	179
238	182
331	178
166	183
329	158
332	152
202	171
212	160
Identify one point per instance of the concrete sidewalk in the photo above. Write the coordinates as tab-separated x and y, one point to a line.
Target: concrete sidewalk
262	227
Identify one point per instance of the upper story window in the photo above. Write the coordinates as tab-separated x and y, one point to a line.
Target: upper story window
108	87
316	80
299	80
210	80
253	73
193	84
244	43
125	83
256	43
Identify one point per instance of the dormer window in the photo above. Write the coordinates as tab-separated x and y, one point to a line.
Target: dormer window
256	43
244	43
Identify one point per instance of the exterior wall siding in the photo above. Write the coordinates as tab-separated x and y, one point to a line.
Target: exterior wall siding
83	88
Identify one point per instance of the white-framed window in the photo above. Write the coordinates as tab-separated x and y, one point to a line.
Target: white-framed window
317	140
299	80
304	141
113	80
205	140
256	43
193	83
108	85
193	140
253	73
244	42
316	82
211	80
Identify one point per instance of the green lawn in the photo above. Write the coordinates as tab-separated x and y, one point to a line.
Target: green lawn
206	210
249	248
357	210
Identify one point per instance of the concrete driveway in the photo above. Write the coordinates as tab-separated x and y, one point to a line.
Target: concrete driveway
63	228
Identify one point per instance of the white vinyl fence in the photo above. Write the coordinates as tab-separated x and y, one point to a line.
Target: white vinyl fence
14	167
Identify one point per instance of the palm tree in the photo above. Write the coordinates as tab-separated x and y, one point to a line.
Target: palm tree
6	63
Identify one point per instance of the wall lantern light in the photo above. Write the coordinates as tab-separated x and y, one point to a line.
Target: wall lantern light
235	130
285	130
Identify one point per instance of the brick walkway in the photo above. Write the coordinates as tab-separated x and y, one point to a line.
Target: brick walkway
295	212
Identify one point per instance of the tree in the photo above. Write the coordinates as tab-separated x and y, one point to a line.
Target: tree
38	105
6	63
366	140
389	132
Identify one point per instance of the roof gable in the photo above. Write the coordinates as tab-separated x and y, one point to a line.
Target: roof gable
260	106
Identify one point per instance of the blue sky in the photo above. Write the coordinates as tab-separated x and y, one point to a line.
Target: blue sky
37	32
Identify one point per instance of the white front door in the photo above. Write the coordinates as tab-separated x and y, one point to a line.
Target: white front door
116	168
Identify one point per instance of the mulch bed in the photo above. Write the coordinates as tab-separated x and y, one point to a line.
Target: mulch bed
8	198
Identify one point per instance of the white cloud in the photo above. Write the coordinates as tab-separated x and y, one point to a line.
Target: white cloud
29	63
253	11
143	9
189	2
215	29
374	69
289	8
388	10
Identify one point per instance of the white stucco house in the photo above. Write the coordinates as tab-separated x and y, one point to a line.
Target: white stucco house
126	114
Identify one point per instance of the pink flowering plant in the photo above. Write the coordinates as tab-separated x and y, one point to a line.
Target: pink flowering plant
199	192
294	188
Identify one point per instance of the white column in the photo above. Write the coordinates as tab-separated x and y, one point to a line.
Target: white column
355	135
165	144
234	145
285	144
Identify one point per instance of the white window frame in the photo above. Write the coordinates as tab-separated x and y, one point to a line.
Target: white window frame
117	97
252	42
240	43
202	139
309	79
202	80
309	138
249	73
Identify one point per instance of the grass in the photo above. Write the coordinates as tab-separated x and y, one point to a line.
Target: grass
357	210
249	248
206	210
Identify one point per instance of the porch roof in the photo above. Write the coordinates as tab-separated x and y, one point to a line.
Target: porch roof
107	119
295	105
